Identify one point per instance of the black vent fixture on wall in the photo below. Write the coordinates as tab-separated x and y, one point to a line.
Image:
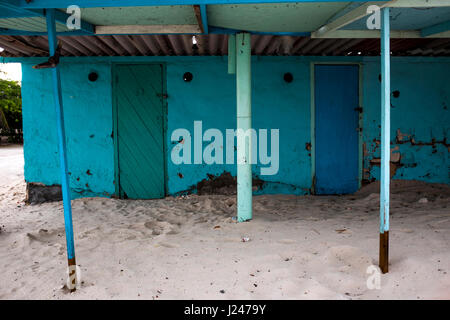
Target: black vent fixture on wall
93	76
288	77
187	77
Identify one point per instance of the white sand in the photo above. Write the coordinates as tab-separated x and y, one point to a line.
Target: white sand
300	247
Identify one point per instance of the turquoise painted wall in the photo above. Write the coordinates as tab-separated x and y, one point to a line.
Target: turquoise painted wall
211	97
420	120
420	111
88	119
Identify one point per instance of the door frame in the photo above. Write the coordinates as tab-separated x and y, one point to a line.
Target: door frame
115	120
313	120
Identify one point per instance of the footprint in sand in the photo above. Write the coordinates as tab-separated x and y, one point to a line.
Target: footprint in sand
44	235
200	220
155	227
159	228
168	245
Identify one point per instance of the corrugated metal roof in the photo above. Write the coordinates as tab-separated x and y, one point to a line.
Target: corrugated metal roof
216	44
37	24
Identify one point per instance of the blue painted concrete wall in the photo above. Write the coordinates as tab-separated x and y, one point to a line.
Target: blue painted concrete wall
420	113
88	117
211	97
420	121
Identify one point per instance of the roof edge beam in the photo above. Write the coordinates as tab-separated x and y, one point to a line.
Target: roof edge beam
60	16
347	18
436	30
418	3
361	12
149	29
42	4
366	34
15	32
201	16
212	30
220	30
12	11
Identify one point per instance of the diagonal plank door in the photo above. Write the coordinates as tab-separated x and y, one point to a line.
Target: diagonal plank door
138	92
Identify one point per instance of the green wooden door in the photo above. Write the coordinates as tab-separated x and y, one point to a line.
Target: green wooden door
139	129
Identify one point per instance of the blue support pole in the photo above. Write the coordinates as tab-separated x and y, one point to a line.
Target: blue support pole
57	94
385	140
244	126
204	18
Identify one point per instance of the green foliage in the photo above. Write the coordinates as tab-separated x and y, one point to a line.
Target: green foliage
10	105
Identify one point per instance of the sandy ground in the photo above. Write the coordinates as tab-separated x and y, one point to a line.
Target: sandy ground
190	248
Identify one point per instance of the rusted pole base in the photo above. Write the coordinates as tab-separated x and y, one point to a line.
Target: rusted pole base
72	274
384	252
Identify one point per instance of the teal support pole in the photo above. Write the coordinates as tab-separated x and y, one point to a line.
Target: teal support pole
385	140
57	94
244	126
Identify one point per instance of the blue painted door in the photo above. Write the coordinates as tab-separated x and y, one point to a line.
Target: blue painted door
140	131
336	128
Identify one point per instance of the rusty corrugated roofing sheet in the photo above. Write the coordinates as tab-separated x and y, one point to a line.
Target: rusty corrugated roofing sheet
216	44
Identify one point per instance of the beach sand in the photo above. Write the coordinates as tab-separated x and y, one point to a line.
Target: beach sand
296	247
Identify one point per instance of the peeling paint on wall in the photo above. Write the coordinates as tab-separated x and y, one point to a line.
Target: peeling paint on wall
419	122
223	183
211	97
395	161
88	120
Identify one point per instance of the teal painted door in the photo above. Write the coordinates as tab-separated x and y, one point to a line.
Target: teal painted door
140	128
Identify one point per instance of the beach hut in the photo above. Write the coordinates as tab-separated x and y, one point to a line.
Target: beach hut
142	99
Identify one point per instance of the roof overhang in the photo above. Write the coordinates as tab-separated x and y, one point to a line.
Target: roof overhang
123	21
